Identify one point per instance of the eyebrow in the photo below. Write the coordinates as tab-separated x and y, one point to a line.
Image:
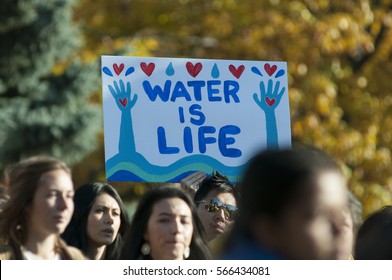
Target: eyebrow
60	191
106	207
166	214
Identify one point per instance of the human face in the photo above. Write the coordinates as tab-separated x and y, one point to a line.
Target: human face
104	220
312	227
215	223
169	229
52	206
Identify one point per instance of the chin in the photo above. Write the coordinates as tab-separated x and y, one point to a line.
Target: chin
174	255
58	230
106	242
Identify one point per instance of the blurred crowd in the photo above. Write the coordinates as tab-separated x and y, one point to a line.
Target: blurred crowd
291	204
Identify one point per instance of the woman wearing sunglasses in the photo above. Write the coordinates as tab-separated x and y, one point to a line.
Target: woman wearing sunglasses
216	200
292	207
165	226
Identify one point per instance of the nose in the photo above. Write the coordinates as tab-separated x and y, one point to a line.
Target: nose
176	227
63	202
109	218
220	215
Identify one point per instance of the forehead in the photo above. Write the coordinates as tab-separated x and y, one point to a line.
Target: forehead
331	188
57	179
172	206
225	197
326	189
106	200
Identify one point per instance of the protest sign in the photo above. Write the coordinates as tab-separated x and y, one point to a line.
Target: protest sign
165	118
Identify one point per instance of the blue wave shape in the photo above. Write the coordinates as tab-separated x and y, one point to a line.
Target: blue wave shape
127	176
135	168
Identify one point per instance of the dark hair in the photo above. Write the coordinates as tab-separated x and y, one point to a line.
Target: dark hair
274	179
374	240
3	195
135	236
76	232
215	182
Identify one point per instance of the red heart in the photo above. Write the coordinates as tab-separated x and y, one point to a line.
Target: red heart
270	102
237	72
194	70
148	69
270	69
123	102
118	69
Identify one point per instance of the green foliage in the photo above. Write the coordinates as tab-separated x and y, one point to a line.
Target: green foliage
339	62
45	90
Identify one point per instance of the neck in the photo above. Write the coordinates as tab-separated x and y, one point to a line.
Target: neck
42	246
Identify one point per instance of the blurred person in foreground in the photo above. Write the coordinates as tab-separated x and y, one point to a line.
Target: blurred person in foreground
99	222
291	207
165	226
374	238
38	209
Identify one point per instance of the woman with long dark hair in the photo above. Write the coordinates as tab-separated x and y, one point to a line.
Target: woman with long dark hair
99	222
165	226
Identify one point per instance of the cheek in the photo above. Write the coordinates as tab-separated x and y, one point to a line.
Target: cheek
42	209
319	235
156	241
203	214
188	232
154	233
117	224
71	206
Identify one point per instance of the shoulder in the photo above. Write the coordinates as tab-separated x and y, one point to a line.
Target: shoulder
70	252
74	253
6	252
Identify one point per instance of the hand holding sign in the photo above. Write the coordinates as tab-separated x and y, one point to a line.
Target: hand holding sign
122	95
192	182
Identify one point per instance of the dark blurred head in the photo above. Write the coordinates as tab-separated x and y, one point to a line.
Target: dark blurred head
374	240
292	202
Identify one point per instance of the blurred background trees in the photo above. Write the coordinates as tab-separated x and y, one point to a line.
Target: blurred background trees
46	104
339	56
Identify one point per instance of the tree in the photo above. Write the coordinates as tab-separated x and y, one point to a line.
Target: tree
46	104
339	65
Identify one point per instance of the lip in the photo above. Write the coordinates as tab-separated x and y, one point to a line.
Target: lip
219	228
60	219
173	242
108	231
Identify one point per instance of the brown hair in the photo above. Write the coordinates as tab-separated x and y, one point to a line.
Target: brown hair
22	180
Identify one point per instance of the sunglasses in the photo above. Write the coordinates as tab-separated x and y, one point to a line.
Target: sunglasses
214	205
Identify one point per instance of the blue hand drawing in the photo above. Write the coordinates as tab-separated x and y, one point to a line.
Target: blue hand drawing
269	99
122	95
